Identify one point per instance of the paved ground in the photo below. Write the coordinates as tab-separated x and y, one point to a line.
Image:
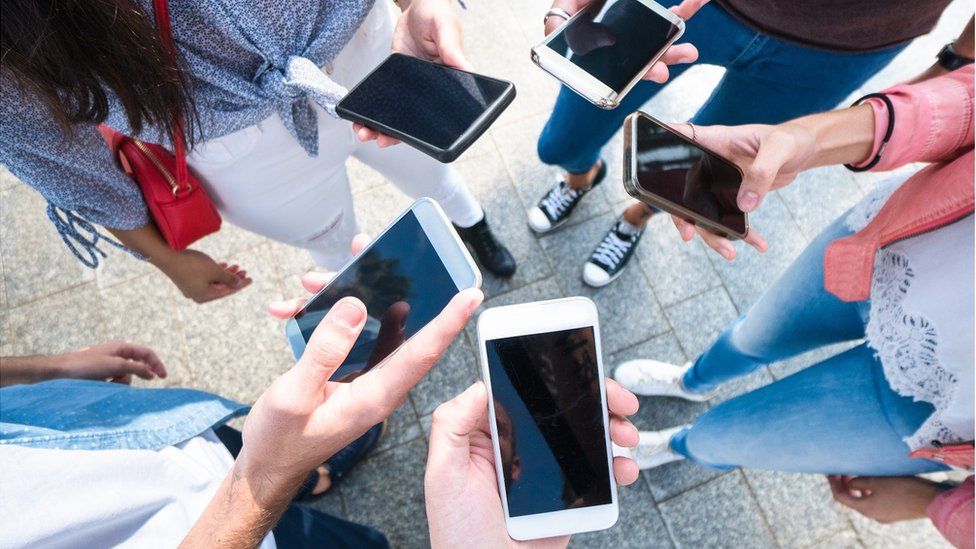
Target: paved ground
670	304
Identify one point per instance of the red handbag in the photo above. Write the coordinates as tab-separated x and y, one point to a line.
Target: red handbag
179	205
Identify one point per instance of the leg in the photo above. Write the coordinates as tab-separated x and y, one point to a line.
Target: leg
837	417
301	526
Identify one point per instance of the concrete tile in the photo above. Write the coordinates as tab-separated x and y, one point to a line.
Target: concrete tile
537	291
58	323
229	244
331	504
639	525
918	534
799	508
817	197
143	311
845	539
676	269
37	262
387	492
699	320
7	179
121	266
361	177
628	310
455	372
721	513
376	208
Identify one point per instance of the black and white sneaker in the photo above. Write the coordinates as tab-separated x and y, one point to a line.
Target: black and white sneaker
554	208
612	255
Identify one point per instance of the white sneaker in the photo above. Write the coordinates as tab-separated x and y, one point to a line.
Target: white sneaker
654	378
654	448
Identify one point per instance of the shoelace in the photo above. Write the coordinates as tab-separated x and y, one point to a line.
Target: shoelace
611	251
559	199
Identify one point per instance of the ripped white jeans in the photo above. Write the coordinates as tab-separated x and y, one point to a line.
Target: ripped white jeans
263	181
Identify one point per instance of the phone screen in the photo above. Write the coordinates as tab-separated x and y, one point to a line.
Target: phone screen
404	285
429	102
678	171
613	40
549	419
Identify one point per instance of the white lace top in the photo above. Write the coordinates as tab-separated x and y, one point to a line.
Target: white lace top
921	319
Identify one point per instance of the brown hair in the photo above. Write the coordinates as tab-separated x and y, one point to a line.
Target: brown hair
70	52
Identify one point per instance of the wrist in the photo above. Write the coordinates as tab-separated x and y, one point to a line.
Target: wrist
267	488
841	137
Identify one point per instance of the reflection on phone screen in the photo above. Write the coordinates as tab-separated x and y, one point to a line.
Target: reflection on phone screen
430	102
549	418
679	172
404	285
613	40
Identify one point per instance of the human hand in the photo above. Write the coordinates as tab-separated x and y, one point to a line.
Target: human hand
676	54
770	158
884	499
115	361
200	278
460	484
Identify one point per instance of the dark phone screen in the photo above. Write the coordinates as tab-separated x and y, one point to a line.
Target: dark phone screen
430	102
679	172
613	40
404	285
549	417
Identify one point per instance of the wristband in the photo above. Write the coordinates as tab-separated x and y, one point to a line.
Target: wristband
884	141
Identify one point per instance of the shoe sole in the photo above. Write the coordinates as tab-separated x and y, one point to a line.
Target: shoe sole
607	283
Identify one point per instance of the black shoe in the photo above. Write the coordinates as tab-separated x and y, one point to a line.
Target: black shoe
611	256
554	208
342	462
491	254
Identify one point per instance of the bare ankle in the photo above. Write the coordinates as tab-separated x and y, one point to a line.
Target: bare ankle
637	214
583	180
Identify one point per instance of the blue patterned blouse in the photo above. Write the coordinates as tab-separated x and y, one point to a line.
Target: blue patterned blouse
248	59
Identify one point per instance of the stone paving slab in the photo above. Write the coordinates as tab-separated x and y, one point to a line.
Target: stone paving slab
669	305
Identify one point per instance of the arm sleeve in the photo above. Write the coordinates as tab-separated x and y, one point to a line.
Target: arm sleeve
933	120
952	513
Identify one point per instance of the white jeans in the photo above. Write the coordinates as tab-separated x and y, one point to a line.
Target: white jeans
263	181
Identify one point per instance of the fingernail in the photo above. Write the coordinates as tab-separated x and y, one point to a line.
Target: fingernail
477	297
475	391
348	314
685	60
748	201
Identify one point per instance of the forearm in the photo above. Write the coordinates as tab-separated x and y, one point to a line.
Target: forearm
844	136
964	44
27	369
148	242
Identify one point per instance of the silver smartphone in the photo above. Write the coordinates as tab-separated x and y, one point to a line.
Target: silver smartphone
405	277
605	49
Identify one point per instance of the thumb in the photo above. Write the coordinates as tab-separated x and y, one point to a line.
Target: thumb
449	45
454	422
331	341
774	151
223	276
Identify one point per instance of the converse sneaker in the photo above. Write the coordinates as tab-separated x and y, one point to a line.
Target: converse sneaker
654	448
554	208
654	378
612	254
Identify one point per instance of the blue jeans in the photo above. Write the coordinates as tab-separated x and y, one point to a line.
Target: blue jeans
839	416
766	81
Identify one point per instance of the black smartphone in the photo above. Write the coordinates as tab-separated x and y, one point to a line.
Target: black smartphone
405	277
436	109
669	171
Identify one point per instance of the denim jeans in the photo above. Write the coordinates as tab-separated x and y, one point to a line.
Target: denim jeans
839	416
766	81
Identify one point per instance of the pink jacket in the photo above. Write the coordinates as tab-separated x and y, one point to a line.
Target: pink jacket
933	123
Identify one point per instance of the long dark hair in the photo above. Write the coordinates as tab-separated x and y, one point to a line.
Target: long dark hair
70	52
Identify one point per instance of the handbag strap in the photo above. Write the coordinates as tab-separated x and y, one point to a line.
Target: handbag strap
161	9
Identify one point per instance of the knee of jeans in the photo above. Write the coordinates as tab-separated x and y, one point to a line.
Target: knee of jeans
718	440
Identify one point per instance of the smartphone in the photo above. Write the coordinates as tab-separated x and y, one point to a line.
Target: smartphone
436	109
548	416
606	48
666	170
405	277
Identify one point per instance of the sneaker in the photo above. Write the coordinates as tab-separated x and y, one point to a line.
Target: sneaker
490	253
343	461
654	448
612	254
556	206
654	378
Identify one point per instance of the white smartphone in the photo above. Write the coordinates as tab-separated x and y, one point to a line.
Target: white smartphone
606	48
548	416
405	277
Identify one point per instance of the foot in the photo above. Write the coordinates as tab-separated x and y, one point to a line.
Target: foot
331	472
612	254
490	253
654	448
560	201
655	378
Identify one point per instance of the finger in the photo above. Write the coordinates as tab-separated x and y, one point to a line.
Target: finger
861	487
383	141
756	240
122	367
225	277
685	230
359	242
452	424
623	433
448	32
625	470
313	282
232	268
145	355
658	73
365	134
679	54
620	401
720	244
569	6
286	309
688	8
774	151
331	342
